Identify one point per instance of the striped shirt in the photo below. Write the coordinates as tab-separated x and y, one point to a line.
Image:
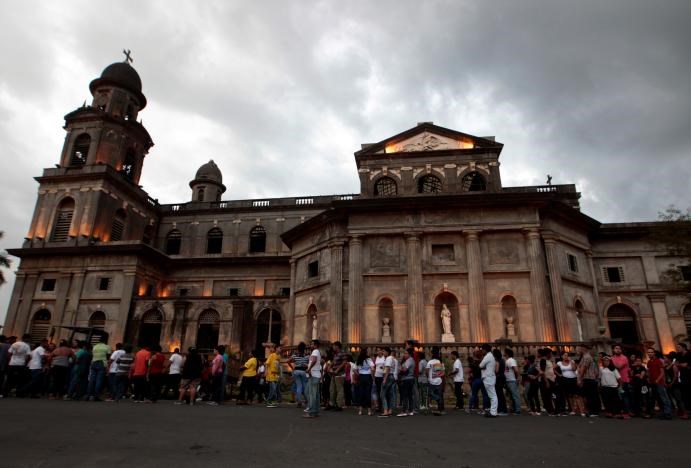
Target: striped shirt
301	362
124	363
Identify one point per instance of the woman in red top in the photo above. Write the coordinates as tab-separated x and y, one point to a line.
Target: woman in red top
156	364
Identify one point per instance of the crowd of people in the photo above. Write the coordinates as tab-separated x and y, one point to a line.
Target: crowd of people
384	384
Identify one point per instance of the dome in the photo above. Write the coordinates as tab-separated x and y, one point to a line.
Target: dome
209	171
121	74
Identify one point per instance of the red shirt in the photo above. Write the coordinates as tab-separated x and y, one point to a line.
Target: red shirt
156	364
141	361
655	370
621	362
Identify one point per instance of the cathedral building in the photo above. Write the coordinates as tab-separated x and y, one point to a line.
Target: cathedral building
433	247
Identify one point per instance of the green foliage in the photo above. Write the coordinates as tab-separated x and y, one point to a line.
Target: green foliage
4	262
674	232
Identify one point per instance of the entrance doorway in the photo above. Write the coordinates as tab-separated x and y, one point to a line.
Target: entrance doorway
207	333
150	328
269	327
621	320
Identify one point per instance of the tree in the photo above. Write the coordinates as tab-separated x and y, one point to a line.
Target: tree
4	262
674	232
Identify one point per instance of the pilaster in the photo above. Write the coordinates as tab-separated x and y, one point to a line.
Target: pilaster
354	288
476	287
415	295
544	327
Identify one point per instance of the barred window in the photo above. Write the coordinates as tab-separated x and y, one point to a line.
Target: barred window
258	239
63	221
80	150
173	242
429	184
214	241
473	182
385	187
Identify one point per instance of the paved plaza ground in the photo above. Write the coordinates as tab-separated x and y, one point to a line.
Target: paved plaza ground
41	433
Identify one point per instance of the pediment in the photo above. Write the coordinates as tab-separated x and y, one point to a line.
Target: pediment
427	137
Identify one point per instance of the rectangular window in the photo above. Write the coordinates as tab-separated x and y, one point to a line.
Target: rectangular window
313	269
284	292
103	284
48	285
685	272
234	292
149	290
182	292
613	274
573	263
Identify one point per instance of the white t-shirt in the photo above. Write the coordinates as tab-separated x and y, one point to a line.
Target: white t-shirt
487	365
458	367
117	354
379	366
567	370
508	370
435	370
366	367
609	378
36	361
175	364
19	351
316	370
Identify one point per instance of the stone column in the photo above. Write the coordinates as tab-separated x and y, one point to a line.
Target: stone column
61	298
235	244
15	303
544	328
596	292
664	330
72	305
354	288
415	298
337	291
290	323
560	318
124	309
24	313
476	287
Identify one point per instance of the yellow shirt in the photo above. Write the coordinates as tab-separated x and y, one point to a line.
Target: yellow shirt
272	363
250	368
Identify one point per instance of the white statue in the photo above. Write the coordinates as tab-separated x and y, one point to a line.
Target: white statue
446	319
510	328
315	327
386	328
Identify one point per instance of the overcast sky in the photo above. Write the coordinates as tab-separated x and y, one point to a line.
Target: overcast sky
281	93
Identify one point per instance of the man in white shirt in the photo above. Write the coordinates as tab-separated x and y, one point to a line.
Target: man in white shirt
20	353
435	379
457	374
113	371
511	373
35	365
488	370
175	371
314	375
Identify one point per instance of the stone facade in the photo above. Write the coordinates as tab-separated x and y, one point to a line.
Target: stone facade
431	227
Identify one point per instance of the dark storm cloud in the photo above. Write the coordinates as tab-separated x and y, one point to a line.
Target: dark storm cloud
280	94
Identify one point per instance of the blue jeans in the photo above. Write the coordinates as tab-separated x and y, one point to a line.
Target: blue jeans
387	394
476	386
122	380
313	396
659	393
78	383
436	393
512	385
98	375
273	392
112	384
300	378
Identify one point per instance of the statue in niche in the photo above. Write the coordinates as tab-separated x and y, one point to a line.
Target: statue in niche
510	327
386	330
446	319
315	327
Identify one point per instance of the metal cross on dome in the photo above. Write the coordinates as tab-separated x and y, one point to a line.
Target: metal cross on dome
128	58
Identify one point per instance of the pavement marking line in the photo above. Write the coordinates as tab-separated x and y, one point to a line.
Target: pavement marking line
379	451
374	462
291	429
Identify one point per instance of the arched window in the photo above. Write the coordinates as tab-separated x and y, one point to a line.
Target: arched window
451	302
118	228
429	184
207	333
150	328
214	241
63	221
473	182
173	242
312	314
80	150
200	194
97	321
40	325
128	165
385	187
258	239
509	311
269	325
687	320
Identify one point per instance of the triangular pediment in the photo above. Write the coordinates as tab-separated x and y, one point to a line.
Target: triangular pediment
427	137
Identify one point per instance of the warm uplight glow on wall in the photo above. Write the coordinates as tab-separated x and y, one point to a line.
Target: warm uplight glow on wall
142	289
390	149
466	144
259	290
172	346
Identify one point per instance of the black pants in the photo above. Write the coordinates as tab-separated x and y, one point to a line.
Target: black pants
458	390
155	384
610	395
377	382
174	385
348	393
217	388
546	387
140	387
592	397
59	378
532	395
406	389
501	397
17	376
247	388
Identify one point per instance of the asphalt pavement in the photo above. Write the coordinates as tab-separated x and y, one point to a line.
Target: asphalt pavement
41	433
